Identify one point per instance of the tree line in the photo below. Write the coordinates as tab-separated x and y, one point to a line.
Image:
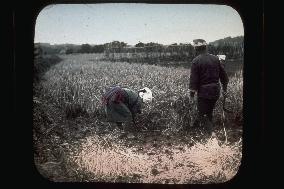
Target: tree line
233	48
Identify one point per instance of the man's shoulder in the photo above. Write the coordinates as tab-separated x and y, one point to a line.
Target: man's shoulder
196	59
214	56
204	57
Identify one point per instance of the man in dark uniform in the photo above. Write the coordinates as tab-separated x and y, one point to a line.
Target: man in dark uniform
206	72
122	104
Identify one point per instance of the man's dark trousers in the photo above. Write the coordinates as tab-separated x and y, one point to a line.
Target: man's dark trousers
205	113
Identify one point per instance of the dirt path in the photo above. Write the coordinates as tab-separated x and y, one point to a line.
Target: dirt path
76	150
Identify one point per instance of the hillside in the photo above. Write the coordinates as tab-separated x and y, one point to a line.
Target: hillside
228	41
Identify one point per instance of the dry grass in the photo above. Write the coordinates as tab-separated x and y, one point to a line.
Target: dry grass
204	162
80	80
74	87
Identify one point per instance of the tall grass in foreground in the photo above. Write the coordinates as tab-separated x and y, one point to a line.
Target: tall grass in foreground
78	83
75	86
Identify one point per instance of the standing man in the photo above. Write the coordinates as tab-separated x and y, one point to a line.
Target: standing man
206	72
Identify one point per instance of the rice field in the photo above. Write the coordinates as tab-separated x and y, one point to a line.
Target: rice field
74	142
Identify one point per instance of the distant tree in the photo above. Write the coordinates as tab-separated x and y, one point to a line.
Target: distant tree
115	46
69	51
98	48
140	44
153	44
85	48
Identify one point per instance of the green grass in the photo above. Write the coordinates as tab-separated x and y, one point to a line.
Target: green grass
68	117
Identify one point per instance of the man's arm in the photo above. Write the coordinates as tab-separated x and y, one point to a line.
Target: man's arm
194	78
223	77
137	109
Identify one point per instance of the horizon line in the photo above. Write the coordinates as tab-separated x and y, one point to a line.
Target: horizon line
68	43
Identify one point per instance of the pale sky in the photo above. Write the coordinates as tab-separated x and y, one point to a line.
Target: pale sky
134	22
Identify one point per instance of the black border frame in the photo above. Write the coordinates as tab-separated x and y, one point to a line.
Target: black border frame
22	20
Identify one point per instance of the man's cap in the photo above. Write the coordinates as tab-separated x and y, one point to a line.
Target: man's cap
199	42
